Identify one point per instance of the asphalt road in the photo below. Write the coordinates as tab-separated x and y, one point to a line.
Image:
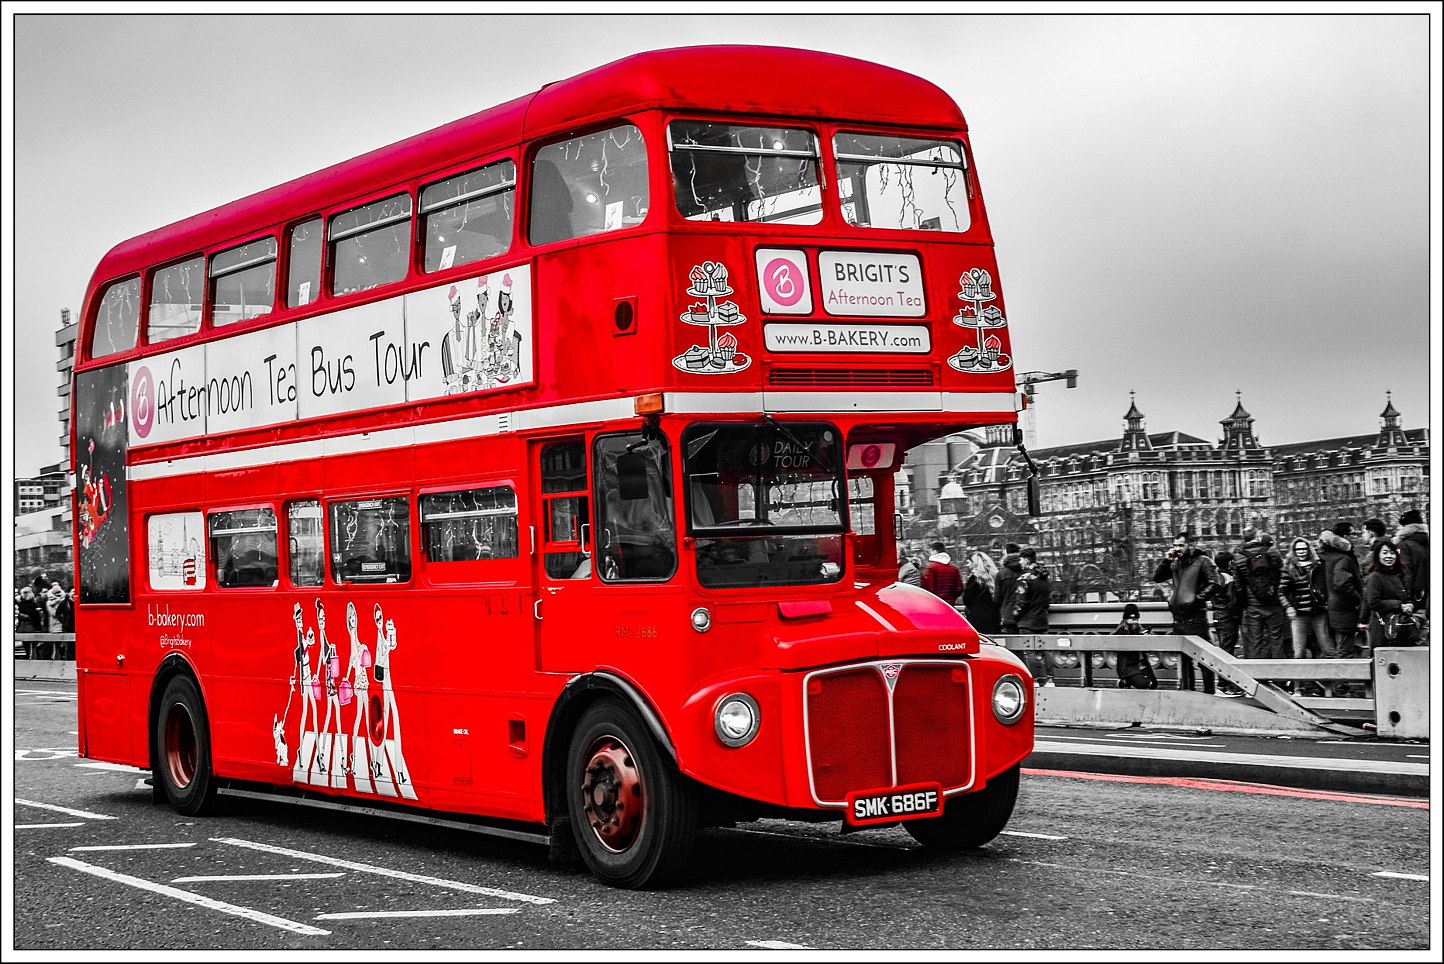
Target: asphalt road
1111	862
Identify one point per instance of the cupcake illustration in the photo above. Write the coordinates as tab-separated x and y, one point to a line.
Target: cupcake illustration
726	347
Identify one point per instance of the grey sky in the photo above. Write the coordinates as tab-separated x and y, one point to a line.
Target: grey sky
1184	206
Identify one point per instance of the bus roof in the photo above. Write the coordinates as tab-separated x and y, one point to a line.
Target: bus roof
777	81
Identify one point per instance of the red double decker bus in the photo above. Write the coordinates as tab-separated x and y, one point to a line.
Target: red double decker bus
534	475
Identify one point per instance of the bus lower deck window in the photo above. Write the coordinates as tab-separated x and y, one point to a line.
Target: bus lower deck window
371	540
243	547
471	524
304	542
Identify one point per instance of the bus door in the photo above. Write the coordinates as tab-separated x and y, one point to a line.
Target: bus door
608	550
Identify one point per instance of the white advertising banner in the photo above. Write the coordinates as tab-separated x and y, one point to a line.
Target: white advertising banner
825	337
251	380
871	283
467	336
168	396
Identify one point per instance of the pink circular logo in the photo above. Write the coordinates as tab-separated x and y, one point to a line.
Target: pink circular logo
783	282
142	402
870	455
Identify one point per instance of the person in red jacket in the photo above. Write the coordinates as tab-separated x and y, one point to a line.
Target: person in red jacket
941	577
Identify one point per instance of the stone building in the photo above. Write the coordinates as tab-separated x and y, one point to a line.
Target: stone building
1109	509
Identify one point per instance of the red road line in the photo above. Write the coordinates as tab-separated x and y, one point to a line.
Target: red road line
1194	783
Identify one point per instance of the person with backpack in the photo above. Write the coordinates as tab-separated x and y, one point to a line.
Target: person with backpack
1004	592
1305	597
1345	585
941	577
1258	567
1195	580
1032	593
1412	542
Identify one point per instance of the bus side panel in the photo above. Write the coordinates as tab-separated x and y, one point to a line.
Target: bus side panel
108	722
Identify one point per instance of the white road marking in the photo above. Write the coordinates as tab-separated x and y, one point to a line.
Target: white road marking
121	767
51	753
463	912
1189	753
135	846
1390	873
1040	836
384	872
74	813
191	880
1131	740
1417	756
259	917
779	945
43	826
1189	880
141	784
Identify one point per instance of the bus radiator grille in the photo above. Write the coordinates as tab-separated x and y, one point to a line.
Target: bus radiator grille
852	377
931	722
847	730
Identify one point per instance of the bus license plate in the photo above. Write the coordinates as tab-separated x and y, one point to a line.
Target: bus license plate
897	803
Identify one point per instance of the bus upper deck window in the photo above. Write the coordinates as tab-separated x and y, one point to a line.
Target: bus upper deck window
370	244
732	172
588	185
904	183
468	217
303	266
117	320
177	294
243	282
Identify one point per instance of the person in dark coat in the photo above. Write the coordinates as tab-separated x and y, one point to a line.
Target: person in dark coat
1345	584
1031	594
27	612
65	611
907	571
941	577
1006	591
1412	541
1305	596
978	601
1386	597
1377	531
1134	669
1227	607
1194	581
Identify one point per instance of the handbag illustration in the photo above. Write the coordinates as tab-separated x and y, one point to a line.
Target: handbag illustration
365	658
380	674
318	689
344	690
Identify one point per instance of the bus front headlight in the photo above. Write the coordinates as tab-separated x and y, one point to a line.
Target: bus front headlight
736	719
1010	698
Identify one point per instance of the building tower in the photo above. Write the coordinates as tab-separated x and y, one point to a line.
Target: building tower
1238	430
1135	436
1391	433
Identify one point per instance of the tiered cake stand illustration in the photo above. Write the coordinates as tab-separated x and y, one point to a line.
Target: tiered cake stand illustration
986	356
720	356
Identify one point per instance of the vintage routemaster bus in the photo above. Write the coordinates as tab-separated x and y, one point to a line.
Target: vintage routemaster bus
535	474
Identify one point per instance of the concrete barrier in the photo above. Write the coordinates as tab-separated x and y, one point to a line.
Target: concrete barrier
58	669
1174	708
1401	692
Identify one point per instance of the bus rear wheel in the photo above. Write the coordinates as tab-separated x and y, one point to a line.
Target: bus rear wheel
634	816
971	819
183	748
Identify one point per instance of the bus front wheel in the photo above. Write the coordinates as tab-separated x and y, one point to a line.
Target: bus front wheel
183	748
971	819
634	816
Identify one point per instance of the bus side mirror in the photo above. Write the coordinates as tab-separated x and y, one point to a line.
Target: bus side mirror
631	476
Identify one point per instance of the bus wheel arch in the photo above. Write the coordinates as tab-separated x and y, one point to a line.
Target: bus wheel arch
179	738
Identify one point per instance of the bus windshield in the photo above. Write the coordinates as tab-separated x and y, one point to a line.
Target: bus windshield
765	502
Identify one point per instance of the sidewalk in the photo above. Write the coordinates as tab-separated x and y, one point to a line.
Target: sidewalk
1362	765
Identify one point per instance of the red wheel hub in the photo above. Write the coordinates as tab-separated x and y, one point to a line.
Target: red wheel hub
612	794
180	746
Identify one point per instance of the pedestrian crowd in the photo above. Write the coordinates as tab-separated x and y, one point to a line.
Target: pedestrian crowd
46	607
1311	598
